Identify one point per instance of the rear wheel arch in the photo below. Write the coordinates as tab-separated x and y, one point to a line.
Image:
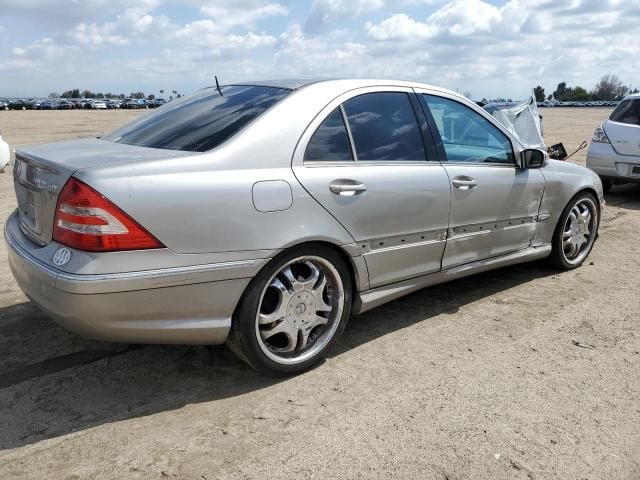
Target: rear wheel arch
344	255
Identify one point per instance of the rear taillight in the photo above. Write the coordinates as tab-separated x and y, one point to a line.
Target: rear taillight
600	136
86	220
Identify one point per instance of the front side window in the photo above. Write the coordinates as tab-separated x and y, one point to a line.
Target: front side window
384	127
466	135
201	121
330	142
628	112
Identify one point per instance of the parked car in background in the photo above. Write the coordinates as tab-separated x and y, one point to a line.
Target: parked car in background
99	105
4	104
48	105
113	104
202	223
614	153
130	103
20	104
156	102
64	105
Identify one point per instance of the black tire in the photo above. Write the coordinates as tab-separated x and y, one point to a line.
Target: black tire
243	336
606	185
558	257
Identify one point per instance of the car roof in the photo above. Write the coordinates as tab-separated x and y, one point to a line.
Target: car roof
632	96
298	83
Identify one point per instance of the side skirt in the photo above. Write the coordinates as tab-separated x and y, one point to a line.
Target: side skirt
369	299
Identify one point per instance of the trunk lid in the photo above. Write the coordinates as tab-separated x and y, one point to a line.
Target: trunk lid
40	172
624	137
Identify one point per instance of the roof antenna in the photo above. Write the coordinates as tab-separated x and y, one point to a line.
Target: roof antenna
218	87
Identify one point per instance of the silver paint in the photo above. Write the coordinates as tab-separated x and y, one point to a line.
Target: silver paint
222	219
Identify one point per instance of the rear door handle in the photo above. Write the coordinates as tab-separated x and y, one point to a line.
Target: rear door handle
465	183
347	188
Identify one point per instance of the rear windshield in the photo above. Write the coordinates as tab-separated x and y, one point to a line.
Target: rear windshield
201	121
627	112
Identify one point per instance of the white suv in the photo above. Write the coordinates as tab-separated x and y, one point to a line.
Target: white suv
614	153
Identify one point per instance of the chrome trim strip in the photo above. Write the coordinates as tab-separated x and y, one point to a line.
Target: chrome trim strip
158	273
399	247
462	231
137	280
385	244
365	301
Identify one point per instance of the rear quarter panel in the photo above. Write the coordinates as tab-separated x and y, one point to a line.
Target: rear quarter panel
203	210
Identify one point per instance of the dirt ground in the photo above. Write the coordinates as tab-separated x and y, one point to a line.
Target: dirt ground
476	379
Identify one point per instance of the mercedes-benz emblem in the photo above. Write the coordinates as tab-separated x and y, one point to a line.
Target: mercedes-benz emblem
301	308
62	256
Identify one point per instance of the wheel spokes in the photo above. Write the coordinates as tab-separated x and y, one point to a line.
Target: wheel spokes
310	282
282	328
318	293
296	285
297	306
305	332
281	309
577	235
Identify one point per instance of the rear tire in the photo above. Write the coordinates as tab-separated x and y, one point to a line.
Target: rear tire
293	312
576	232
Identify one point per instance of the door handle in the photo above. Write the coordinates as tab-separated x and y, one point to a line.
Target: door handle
465	183
347	188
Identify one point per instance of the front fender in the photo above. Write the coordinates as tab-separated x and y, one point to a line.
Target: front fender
563	181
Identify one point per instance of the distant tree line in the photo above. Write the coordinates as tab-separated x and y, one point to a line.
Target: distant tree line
610	87
76	93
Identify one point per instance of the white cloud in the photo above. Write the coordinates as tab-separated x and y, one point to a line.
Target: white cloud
400	26
465	17
97	35
475	45
324	12
33	57
243	12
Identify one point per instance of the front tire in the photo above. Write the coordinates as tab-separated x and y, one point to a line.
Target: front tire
576	232
293	312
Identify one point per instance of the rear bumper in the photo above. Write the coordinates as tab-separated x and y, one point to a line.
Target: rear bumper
607	163
173	305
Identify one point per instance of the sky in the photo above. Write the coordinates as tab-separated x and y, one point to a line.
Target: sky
487	48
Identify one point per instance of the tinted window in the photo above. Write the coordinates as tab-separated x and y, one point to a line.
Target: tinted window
201	121
466	135
627	112
384	127
330	142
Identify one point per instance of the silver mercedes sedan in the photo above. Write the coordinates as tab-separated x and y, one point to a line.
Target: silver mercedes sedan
265	214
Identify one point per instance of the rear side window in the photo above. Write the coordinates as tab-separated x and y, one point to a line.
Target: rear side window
201	121
384	127
628	112
466	135
330	142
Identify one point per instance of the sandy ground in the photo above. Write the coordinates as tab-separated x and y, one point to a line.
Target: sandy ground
478	378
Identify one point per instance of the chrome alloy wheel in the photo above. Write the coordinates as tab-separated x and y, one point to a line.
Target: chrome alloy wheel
299	310
579	231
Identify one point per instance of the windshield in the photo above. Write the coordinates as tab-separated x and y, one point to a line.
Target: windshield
201	121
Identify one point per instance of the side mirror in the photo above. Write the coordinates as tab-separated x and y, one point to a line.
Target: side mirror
533	158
